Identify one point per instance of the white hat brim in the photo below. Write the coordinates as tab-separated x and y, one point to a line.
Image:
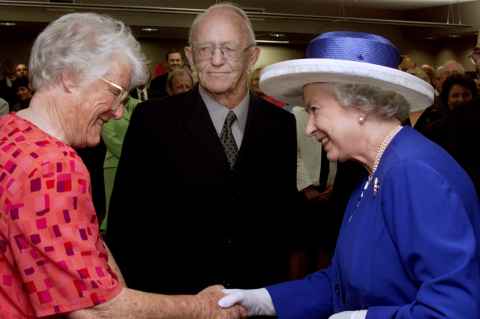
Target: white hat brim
285	80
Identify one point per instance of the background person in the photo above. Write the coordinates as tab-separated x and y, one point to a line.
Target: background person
457	90
21	71
113	133
179	81
158	86
23	92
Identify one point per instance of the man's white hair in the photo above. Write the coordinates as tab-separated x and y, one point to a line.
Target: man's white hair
223	6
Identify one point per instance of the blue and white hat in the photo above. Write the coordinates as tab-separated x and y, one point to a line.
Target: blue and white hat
346	57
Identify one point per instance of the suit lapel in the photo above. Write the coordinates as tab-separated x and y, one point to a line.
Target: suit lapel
200	128
251	129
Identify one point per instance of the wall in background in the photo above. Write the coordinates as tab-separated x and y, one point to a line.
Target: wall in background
271	54
16	48
437	52
431	52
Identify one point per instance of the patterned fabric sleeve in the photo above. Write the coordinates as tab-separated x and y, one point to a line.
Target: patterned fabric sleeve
54	237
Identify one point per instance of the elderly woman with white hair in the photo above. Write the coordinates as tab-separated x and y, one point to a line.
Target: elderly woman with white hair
409	242
52	259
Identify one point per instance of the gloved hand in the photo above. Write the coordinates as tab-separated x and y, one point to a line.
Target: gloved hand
360	314
257	301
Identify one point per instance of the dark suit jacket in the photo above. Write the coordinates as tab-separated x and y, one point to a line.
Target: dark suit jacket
181	220
460	138
158	87
7	93
93	158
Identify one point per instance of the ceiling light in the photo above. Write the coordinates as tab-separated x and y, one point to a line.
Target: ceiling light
8	24
149	29
454	36
274	41
277	35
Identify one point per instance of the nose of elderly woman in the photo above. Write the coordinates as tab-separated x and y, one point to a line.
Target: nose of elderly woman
118	112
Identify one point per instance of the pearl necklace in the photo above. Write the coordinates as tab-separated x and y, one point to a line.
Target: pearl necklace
380	150
382	147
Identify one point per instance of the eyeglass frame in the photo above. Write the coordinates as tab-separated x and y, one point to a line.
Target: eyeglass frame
120	98
213	47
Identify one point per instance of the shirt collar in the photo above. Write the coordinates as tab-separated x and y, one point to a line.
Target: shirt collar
218	112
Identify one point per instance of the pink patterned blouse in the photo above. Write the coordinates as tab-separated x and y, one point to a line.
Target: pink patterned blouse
52	259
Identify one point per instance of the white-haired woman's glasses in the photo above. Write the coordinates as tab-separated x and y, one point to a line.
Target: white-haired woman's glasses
121	94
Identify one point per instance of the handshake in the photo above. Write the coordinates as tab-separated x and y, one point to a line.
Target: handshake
216	302
239	303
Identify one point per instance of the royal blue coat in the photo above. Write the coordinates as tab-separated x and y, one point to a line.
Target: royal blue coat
407	249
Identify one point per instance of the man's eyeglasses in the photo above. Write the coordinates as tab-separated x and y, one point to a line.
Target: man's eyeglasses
121	94
229	51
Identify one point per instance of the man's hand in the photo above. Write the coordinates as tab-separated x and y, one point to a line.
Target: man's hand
258	302
207	305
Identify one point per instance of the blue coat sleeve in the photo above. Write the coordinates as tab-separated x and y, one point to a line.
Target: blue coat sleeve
309	298
435	235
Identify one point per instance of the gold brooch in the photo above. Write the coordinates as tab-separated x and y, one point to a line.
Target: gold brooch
376	186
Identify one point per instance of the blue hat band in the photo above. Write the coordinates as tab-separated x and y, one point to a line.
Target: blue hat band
354	46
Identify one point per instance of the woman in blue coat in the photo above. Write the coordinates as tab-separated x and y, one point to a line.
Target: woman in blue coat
408	246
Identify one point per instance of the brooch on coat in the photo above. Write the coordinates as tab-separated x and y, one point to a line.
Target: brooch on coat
376	186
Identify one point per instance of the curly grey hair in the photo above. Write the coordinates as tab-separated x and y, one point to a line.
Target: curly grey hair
84	44
228	6
373	100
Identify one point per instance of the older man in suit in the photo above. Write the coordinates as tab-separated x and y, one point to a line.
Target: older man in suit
203	174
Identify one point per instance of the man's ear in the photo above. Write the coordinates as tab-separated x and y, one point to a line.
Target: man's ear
189	55
255	54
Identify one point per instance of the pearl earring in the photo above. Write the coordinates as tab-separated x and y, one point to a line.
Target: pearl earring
361	120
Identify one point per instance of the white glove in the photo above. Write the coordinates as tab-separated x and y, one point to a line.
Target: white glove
257	301
360	314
